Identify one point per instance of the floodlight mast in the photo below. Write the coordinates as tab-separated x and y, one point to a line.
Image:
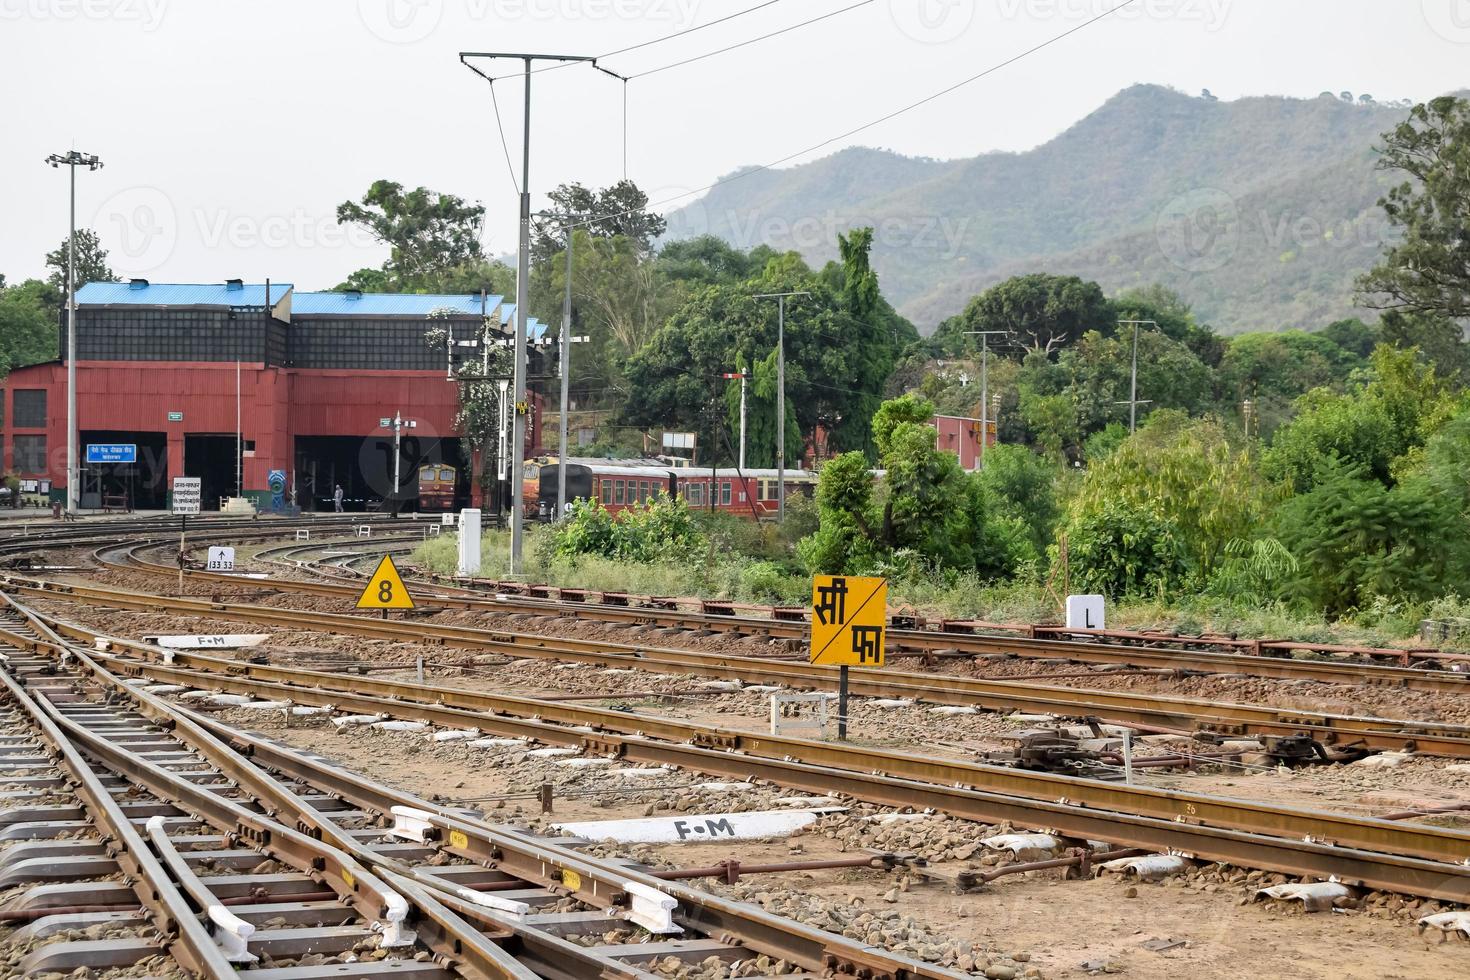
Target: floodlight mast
72	159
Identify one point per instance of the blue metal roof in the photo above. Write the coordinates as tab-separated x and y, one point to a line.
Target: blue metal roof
388	304
535	329
140	292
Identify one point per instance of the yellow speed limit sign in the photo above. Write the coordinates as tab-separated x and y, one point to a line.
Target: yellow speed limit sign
849	615
385	590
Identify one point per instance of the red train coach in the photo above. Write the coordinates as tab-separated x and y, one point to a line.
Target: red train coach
620	484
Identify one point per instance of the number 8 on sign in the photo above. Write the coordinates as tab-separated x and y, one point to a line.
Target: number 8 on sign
385	590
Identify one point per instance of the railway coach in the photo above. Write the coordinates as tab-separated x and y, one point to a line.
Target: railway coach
620	484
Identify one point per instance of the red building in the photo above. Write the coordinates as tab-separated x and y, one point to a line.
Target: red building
961	436
303	385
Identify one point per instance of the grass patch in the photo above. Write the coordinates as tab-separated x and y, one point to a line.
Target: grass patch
719	572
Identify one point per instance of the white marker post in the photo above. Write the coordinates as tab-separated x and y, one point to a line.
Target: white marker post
469	541
1085	612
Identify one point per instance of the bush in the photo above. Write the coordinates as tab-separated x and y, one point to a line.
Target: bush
660	530
1124	550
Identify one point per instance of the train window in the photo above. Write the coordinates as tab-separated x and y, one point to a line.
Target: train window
694	493
606	491
763	490
617	491
643	489
725	494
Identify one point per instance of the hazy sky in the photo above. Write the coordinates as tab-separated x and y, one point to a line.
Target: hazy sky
230	130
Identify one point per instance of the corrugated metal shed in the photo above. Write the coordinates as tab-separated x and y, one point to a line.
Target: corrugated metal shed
388	304
140	292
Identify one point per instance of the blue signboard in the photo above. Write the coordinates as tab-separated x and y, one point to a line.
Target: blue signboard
115	452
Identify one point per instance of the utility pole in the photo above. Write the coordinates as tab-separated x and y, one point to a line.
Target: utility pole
397	458
984	336
523	290
1133	401
72	159
564	369
780	299
729	376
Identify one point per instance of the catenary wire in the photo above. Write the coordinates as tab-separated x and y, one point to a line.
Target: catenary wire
652	41
754	40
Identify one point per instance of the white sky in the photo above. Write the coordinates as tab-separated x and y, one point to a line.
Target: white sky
231	129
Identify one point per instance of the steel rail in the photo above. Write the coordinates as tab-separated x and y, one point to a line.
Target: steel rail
1123	707
312	843
445	906
1300	842
1087	651
715	750
185	938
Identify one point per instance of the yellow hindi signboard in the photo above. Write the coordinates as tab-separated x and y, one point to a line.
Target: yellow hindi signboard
849	616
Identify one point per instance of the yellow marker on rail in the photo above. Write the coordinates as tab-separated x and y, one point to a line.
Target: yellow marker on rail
385	590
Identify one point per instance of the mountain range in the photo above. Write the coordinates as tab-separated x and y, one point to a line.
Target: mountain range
1259	211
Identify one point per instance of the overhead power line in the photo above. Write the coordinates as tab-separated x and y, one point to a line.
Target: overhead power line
593	219
754	40
657	40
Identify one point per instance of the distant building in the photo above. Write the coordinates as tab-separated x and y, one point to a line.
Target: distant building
318	375
961	436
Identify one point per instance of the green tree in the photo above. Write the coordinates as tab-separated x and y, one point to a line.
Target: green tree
90	264
1440	341
1365	429
619	211
1018	483
836	362
845	539
760	414
28	325
1272	370
1199	491
431	235
1041	312
1169	376
1353	336
1356	538
1427	271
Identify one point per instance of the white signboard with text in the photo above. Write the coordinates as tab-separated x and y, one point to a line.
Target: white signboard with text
186	494
221	560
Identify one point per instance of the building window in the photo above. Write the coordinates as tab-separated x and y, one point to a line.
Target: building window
30	408
30	454
606	491
725	494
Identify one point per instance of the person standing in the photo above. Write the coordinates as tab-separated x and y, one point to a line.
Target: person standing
337	498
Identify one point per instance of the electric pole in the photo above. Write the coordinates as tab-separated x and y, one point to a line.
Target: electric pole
743	379
780	299
73	159
1133	401
984	336
564	368
523	295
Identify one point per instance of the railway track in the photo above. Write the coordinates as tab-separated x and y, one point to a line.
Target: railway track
902	642
1412	859
302	869
1209	718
